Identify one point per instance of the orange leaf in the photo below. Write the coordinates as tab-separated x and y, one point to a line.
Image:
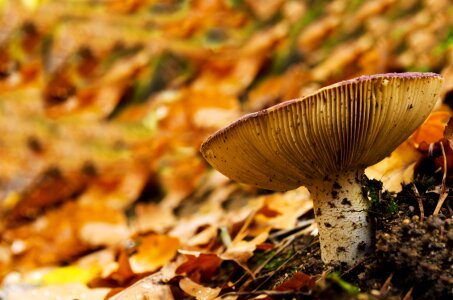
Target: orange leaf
154	252
432	129
124	271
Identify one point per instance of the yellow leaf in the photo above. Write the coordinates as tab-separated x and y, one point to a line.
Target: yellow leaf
396	169
69	274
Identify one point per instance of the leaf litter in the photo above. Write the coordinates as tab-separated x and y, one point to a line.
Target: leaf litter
103	107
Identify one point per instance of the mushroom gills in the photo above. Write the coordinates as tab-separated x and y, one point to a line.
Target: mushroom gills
341	213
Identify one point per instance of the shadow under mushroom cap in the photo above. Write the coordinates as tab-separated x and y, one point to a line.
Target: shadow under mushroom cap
348	125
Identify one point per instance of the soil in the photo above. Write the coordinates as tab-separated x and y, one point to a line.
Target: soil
412	259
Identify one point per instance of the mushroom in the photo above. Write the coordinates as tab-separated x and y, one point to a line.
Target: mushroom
325	141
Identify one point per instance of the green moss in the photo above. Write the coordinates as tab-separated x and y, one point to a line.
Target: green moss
425	182
382	202
270	260
346	286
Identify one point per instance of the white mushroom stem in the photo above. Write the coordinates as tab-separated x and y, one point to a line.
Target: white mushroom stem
341	212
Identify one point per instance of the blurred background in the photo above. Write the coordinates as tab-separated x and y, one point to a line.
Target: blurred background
104	103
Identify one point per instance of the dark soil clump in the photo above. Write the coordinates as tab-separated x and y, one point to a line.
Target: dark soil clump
413	258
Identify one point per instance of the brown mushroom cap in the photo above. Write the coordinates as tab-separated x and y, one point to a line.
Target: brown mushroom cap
349	125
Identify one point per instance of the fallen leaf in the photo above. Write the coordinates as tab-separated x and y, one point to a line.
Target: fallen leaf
60	291
153	217
432	129
124	271
153	252
397	169
296	282
198	291
68	274
281	210
448	133
103	233
241	250
199	267
151	286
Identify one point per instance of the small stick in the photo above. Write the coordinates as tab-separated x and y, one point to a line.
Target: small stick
444	176
443	191
440	202
386	286
408	295
420	203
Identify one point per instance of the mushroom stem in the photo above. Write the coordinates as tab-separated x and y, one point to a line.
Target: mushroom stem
341	212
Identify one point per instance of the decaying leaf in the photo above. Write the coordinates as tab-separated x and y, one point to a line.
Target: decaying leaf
296	282
199	267
148	287
198	291
241	250
103	107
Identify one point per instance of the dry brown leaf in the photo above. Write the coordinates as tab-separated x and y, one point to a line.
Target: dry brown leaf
203	237
50	188
198	291
296	282
104	233
149	287
241	250
286	208
199	267
186	228
153	217
124	271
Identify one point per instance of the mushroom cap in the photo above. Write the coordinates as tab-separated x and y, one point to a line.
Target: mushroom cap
348	125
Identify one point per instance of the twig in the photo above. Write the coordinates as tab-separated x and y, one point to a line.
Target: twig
443	191
288	242
386	286
420	203
440	202
444	176
354	266
278	269
408	295
280	247
283	244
